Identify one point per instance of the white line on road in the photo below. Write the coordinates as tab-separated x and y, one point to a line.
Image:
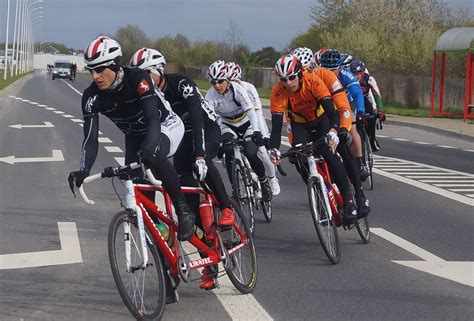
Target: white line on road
68	116
104	140
75	90
59	112
120	160
457	271
69	253
426	187
422	143
47	124
57	157
470	195
77	120
401	139
438	177
465	190
113	149
42	106
454	185
445	146
50	108
460	180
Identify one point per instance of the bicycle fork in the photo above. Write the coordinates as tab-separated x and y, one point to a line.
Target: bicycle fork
313	171
132	205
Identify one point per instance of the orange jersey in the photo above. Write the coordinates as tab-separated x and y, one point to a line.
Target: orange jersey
338	95
303	105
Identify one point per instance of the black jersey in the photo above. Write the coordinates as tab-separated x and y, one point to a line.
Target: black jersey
132	105
187	102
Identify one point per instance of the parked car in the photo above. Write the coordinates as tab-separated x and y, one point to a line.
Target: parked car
61	70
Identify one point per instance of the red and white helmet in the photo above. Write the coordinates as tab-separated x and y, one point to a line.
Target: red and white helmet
288	65
148	59
102	51
218	70
235	72
304	55
316	61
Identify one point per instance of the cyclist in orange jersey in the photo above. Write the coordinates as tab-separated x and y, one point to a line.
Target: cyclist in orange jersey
308	103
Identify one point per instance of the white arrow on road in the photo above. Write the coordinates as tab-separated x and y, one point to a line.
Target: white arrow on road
458	271
57	157
69	253
47	124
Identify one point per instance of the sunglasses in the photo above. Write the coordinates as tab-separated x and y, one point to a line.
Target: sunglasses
98	69
220	81
290	78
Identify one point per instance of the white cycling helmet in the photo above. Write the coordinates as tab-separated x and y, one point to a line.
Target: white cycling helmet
102	51
304	55
316	61
235	72
287	65
218	70
148	59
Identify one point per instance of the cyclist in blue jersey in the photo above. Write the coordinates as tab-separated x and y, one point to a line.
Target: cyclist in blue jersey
372	99
332	59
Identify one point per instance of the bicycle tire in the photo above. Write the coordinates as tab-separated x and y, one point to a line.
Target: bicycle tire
240	186
369	160
132	286
327	233
267	211
244	280
363	228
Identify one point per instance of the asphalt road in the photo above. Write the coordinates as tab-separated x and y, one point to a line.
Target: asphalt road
295	280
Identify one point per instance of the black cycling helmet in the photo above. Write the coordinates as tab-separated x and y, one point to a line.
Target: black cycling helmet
331	59
357	66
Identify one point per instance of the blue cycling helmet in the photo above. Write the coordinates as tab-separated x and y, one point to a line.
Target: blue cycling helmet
357	66
331	59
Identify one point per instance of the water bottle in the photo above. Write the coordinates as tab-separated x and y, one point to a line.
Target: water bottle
163	229
207	219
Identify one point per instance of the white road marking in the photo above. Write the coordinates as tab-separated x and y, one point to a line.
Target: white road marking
50	108
426	187
57	157
120	160
75	90
59	112
446	146
69	253
68	116
42	106
113	149
469	150
47	124
104	140
462	190
459	180
77	120
33	103
461	272
454	185
422	143
400	139
470	195
436	176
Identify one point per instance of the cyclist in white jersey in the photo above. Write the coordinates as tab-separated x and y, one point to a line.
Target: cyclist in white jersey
236	75
238	120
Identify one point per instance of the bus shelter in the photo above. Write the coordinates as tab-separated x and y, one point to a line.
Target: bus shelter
454	40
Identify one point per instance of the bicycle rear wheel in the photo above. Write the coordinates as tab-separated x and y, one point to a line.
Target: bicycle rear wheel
143	288
267	210
362	225
325	227
243	262
241	192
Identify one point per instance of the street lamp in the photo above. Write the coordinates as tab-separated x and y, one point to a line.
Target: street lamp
27	37
24	8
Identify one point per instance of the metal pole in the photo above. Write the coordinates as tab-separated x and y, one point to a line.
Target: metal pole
433	84
14	39
5	65
17	55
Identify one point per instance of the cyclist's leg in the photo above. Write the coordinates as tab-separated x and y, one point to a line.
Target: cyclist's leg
227	134
301	135
371	122
269	170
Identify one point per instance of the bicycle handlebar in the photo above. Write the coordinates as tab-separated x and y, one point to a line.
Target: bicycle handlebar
304	148
113	172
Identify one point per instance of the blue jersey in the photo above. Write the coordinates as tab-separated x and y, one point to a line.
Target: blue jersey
352	87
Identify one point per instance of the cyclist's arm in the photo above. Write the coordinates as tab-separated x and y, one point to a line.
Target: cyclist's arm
253	95
277	124
191	95
328	106
376	91
358	96
262	123
242	98
90	145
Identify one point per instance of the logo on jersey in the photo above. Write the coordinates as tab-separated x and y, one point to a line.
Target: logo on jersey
89	103
347	114
143	87
187	90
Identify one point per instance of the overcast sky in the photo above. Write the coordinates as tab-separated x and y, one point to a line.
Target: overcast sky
263	22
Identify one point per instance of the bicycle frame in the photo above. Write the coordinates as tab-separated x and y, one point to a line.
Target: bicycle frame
144	208
238	154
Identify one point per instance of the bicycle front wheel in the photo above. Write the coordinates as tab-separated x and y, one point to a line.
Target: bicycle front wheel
362	225
142	288
242	271
369	160
325	227
241	192
267	211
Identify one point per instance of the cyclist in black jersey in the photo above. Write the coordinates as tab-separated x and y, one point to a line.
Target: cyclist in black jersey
127	97
201	138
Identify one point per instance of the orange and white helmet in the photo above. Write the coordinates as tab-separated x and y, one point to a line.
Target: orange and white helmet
304	55
148	59
235	72
102	51
288	65
218	70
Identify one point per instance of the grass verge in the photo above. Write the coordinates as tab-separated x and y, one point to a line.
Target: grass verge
9	81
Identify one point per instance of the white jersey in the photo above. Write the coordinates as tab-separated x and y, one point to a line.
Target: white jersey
255	100
234	106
